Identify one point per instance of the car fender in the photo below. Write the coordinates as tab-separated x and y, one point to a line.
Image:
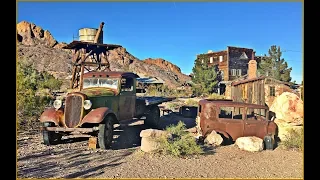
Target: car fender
225	134
52	115
97	115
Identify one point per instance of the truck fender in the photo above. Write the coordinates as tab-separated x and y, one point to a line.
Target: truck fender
98	115
52	115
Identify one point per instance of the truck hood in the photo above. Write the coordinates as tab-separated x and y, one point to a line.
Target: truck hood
91	92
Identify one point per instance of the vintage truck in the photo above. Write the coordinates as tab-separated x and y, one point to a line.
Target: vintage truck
236	119
105	99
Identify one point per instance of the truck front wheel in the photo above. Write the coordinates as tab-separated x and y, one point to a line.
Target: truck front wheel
105	134
50	137
153	117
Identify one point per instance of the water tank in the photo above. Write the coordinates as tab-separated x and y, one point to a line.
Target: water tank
88	34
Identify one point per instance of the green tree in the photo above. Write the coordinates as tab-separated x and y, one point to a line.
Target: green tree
274	65
205	77
30	82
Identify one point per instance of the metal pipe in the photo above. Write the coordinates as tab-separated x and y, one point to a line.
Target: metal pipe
98	33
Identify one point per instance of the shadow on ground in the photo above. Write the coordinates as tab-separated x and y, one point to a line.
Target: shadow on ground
74	162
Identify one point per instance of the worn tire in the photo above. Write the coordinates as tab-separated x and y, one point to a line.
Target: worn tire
153	117
105	134
50	137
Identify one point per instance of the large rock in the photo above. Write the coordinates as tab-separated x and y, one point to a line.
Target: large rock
284	128
289	108
214	139
251	143
149	139
30	34
35	45
163	64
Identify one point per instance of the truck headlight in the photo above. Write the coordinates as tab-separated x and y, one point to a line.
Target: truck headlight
87	104
57	104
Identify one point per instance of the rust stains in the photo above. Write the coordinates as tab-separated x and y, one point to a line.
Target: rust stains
96	115
111	74
52	115
235	119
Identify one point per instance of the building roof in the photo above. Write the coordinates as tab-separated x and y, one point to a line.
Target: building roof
244	79
150	80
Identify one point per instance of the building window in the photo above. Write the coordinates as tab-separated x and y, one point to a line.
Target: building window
244	56
202	61
238	72
272	91
233	72
220	58
211	59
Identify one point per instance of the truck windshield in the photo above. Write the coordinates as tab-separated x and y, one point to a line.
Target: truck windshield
100	82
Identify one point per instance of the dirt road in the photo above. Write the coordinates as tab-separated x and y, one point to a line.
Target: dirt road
72	159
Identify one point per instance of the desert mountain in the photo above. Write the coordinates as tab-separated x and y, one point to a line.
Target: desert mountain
45	52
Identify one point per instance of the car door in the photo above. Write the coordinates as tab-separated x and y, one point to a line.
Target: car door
231	121
251	123
127	99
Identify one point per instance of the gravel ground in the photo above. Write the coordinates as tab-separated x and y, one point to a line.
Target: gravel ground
73	159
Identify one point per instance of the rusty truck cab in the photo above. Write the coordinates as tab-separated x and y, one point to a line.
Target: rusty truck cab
234	119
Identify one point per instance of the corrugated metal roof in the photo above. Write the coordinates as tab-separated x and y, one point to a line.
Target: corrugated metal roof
152	80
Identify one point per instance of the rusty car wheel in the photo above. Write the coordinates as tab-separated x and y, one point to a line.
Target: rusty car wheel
105	134
153	117
50	137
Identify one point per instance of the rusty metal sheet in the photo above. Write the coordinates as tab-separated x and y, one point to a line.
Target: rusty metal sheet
96	115
235	124
232	103
247	80
112	74
52	115
82	44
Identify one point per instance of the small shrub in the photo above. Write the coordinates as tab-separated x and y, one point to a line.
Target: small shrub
215	96
294	139
33	93
180	144
192	102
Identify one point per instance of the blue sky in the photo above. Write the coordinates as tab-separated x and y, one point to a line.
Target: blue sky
178	31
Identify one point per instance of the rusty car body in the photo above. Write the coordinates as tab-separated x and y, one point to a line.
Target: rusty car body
105	99
234	119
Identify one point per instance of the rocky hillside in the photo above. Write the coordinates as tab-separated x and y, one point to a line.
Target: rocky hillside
45	52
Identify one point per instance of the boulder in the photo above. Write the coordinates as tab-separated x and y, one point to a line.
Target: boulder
149	138
251	143
214	139
284	128
289	108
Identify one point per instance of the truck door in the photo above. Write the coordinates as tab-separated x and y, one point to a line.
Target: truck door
127	99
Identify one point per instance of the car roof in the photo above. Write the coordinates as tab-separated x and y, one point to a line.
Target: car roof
231	103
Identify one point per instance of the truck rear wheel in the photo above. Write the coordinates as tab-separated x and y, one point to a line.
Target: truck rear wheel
105	134
153	117
50	137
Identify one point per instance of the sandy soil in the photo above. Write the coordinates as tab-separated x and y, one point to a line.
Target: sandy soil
73	159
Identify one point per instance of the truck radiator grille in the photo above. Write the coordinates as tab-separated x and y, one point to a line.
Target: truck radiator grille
73	110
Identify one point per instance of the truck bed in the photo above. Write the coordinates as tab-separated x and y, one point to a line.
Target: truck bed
142	103
152	100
